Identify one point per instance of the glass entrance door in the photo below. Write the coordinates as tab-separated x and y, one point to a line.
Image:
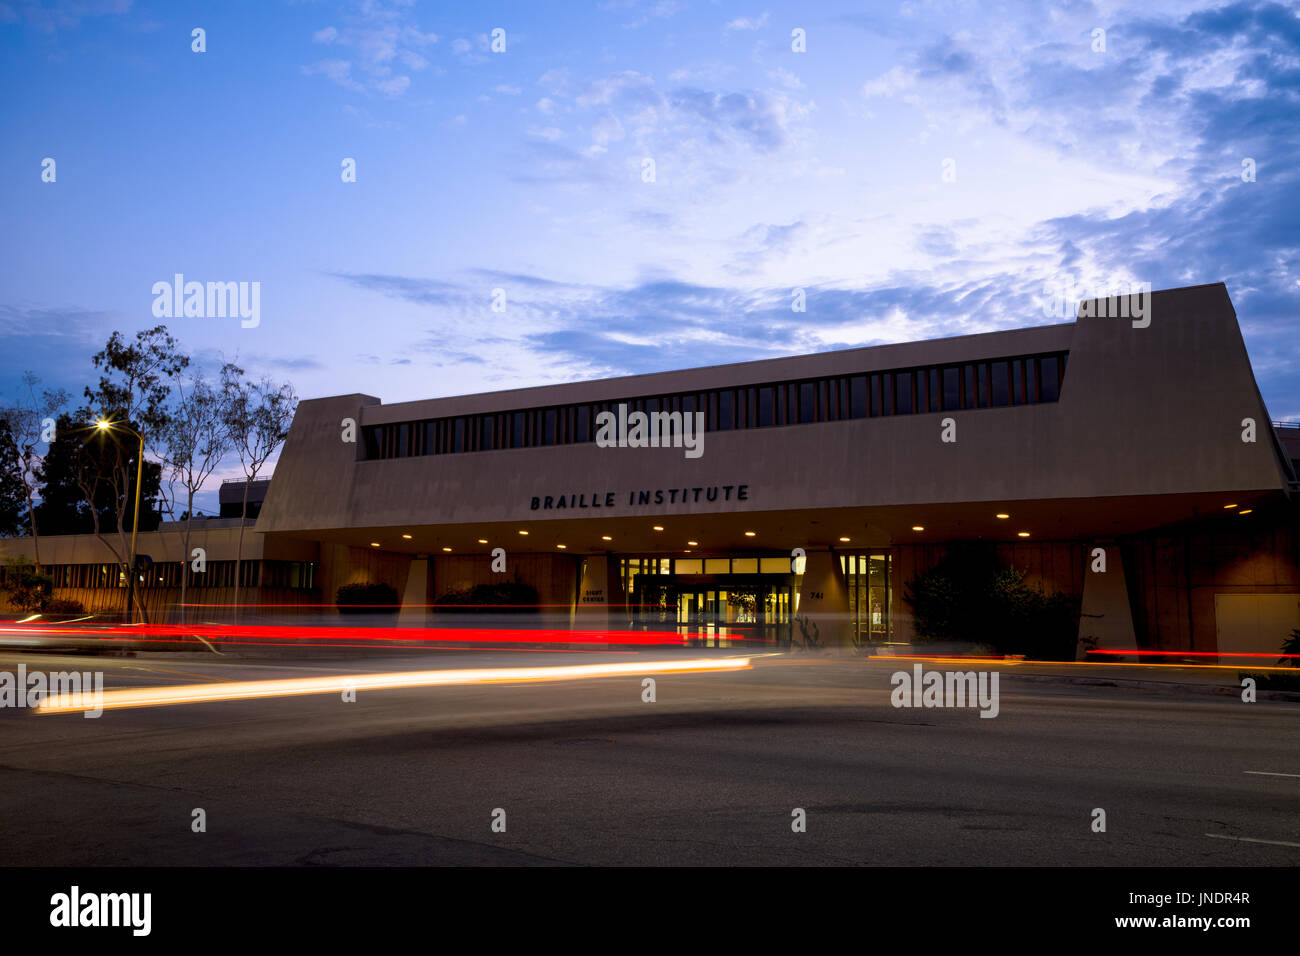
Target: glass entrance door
716	613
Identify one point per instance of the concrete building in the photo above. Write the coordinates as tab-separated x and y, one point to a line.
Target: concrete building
824	483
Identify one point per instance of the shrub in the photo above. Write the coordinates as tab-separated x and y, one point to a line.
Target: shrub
1291	649
26	590
509	597
972	597
376	598
63	606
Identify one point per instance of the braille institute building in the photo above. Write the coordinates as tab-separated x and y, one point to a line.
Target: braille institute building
1149	441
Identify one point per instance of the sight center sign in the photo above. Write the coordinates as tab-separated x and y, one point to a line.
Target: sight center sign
705	494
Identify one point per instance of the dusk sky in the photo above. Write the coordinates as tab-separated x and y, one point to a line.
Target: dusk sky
523	170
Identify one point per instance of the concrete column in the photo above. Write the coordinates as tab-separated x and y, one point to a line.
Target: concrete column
415	594
1105	614
592	610
822	621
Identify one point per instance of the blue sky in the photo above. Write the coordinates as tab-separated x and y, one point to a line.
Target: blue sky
523	170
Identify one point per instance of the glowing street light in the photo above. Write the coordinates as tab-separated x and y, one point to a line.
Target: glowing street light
104	425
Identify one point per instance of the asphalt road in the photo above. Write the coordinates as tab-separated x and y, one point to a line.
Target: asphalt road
588	773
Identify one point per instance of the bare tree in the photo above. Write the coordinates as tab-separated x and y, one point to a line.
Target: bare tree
132	394
195	440
31	421
258	416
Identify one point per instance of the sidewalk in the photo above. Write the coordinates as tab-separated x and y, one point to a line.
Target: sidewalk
1212	680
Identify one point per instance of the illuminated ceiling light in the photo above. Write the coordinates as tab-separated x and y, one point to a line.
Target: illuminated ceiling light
407	537
658	527
1022	534
844	539
693	544
605	537
917	527
446	549
1002	517
750	534
482	540
1230	506
561	546
374	544
523	532
1245	511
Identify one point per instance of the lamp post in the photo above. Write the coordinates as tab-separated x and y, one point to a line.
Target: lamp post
104	426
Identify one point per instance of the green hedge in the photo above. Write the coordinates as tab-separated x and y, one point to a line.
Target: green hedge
351	595
971	596
508	597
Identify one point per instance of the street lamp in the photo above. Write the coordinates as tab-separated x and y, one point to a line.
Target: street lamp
104	425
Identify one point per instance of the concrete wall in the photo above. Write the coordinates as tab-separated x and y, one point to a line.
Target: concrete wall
1144	411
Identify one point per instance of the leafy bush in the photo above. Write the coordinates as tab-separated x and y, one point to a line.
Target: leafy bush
972	597
26	590
376	598
512	597
1291	650
63	606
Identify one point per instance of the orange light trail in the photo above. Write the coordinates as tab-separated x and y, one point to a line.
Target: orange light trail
292	687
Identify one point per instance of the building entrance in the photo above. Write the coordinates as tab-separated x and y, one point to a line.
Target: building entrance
717	612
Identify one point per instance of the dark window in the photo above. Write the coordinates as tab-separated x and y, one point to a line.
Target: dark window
584	423
458	442
902	393
548	428
403	434
765	402
1001	384
951	389
485	433
725	410
875	396
1018	382
968	396
651	405
859	398
807	402
370	435
1049	369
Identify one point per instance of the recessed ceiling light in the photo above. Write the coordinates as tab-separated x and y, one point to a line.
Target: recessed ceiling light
407	537
446	549
482	540
1022	534
374	544
658	527
750	534
605	537
561	546
844	539
917	527
1229	506
523	532
693	544
1245	511
1002	516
